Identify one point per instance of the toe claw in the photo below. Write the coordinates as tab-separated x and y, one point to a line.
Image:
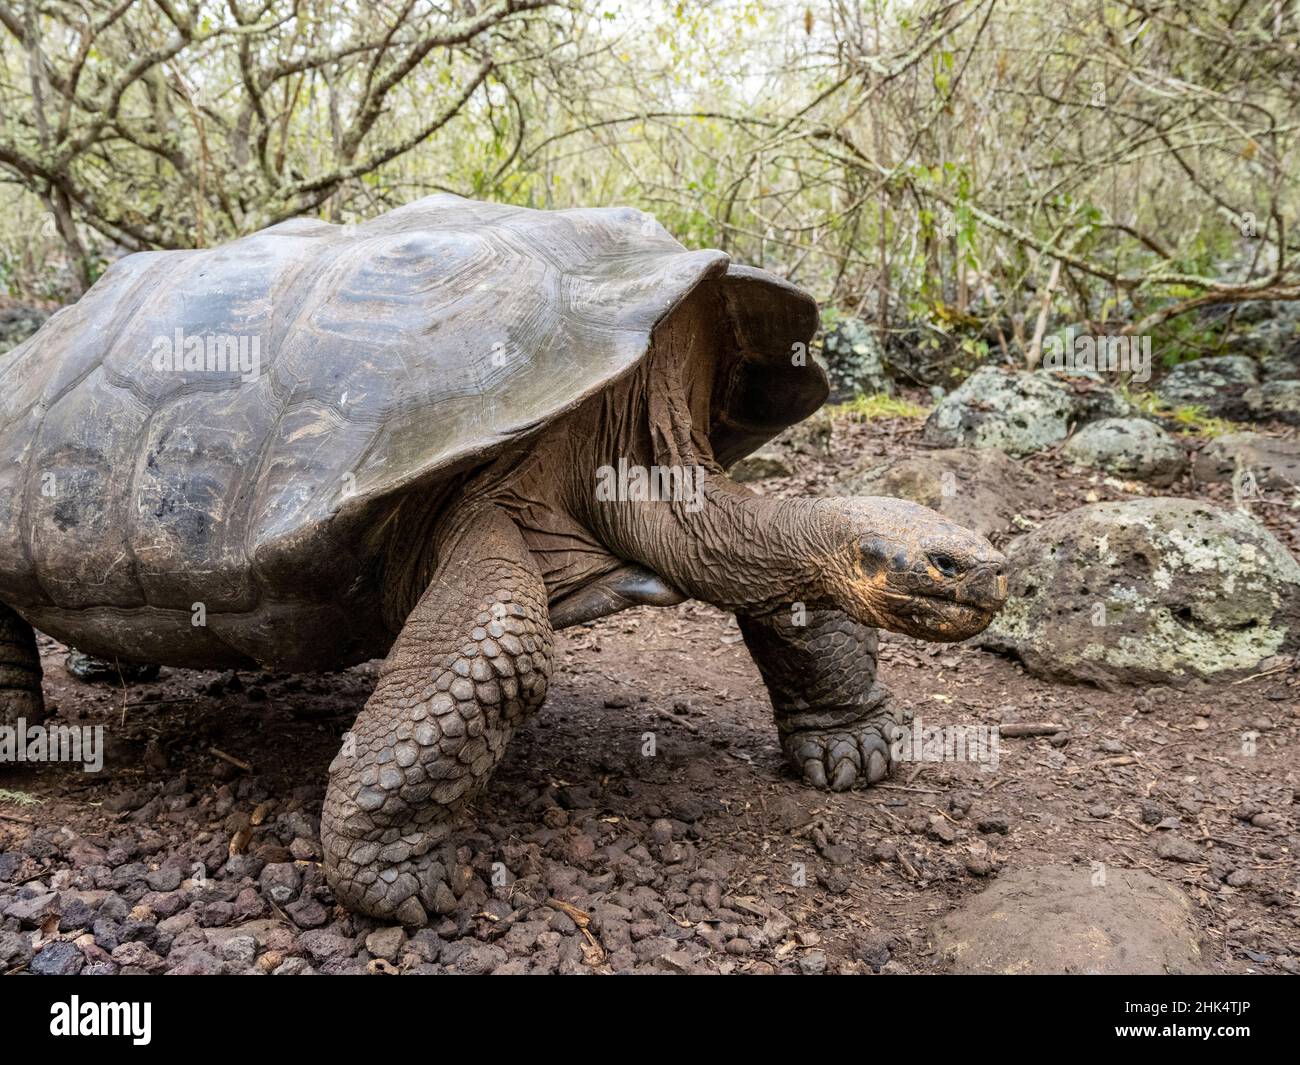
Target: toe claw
845	774
877	767
839	759
411	914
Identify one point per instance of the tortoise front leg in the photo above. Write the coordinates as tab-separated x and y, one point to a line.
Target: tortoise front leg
471	663
831	714
20	671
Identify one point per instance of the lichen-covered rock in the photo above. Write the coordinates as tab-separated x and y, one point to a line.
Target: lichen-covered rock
980	488
1218	384
1148	590
1283	367
1275	400
1267	460
1133	448
1020	412
1272	328
855	360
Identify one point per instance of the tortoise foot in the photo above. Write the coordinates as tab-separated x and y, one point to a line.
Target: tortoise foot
375	879
838	755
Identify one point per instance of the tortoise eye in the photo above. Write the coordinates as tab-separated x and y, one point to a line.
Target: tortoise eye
945	564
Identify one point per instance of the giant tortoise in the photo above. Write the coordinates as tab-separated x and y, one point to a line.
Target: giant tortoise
439	436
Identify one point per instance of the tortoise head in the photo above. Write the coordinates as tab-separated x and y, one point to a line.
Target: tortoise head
901	566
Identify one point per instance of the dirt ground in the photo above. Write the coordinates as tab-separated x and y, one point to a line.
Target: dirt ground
644	819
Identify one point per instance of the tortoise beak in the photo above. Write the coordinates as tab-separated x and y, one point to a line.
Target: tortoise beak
984	585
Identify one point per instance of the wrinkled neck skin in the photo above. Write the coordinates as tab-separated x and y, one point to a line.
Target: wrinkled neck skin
729	547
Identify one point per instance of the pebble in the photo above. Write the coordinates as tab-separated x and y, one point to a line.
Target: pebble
876	949
479	959
31	912
885	851
994	823
304	850
10	862
199	963
240	951
321	945
75	913
280	881
386	943
15	950
138	956
837	853
813	963
167	878
1177	849
307	913
942	829
57	959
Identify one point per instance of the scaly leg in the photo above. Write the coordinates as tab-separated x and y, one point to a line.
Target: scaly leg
20	671
831	714
471	663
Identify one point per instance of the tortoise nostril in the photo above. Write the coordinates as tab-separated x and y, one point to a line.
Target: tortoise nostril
945	564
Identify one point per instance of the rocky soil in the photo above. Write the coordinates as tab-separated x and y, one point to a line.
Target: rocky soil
644	821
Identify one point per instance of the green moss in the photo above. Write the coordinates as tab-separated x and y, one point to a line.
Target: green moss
1190	419
879	405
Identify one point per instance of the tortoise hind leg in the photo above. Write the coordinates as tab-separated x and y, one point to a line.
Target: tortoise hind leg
20	671
833	718
470	664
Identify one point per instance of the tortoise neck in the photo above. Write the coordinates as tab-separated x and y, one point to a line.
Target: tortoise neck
714	540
